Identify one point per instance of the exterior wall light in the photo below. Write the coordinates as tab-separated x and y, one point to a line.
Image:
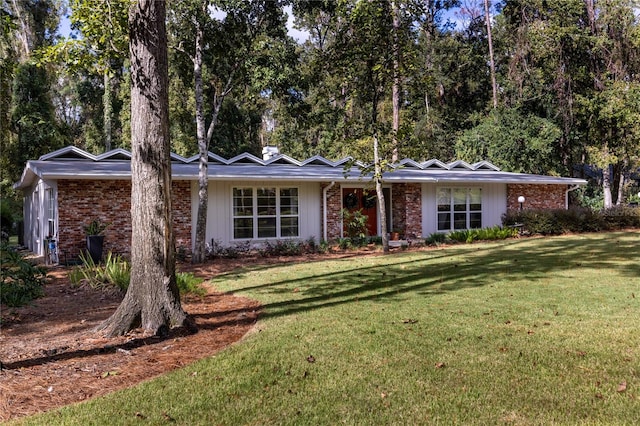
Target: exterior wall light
521	201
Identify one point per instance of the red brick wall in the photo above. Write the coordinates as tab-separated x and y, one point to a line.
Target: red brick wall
334	205
81	201
536	196
406	201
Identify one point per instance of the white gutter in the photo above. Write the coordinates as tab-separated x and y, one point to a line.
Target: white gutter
566	195
324	209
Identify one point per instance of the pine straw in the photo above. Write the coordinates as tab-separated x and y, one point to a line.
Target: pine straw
52	357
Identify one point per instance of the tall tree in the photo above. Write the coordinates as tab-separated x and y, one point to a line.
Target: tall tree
152	299
492	64
26	26
234	48
100	49
612	110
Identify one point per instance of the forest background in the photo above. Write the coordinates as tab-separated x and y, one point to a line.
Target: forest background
535	86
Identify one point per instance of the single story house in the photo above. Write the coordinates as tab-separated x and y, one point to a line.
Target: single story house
274	197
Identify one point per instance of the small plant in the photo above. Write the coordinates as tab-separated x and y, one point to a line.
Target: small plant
355	223
436	239
20	280
95	227
190	284
345	243
114	273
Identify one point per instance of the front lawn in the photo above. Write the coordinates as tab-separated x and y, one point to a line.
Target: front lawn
529	331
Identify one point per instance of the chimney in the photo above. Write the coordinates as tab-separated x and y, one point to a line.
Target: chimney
268	152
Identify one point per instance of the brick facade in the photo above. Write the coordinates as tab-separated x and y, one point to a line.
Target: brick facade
334	205
81	201
536	196
406	199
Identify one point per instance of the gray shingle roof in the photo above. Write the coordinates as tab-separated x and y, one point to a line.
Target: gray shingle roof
74	163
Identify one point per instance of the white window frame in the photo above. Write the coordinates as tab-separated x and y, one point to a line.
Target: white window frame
452	212
255	217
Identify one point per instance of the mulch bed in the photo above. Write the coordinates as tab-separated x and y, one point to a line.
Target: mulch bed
51	357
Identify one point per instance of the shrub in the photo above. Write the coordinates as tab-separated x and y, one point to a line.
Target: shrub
190	284
115	272
21	281
463	236
355	224
215	249
281	248
436	239
575	219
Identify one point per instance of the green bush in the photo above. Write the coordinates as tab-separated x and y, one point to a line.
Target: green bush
21	280
463	236
573	220
190	284
435	239
115	272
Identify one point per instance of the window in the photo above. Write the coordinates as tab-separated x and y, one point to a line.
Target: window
51	211
265	212
459	208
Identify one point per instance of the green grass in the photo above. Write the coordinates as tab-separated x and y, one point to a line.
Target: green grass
530	331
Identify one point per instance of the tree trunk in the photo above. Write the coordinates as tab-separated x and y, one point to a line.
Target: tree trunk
492	65
396	82
203	150
152	300
606	186
380	194
107	105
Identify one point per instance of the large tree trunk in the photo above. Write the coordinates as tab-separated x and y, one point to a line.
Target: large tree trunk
152	300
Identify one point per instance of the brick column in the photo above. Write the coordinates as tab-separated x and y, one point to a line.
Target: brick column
334	205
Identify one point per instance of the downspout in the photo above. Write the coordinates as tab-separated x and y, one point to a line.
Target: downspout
566	195
324	209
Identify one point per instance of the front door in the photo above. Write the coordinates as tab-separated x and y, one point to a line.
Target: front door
354	199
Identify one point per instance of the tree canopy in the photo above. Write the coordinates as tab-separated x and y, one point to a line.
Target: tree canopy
566	81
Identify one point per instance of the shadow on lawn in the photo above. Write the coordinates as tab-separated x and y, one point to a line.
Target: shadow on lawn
454	268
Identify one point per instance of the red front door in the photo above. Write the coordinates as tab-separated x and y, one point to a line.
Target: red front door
364	200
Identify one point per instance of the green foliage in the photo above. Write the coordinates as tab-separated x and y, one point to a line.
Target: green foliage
95	227
470	235
6	217
281	248
114	272
574	220
513	141
188	283
355	223
22	281
436	239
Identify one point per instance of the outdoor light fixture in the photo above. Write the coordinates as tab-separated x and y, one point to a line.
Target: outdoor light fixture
521	201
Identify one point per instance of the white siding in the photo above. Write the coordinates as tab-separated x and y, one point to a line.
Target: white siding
494	204
36	214
219	212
